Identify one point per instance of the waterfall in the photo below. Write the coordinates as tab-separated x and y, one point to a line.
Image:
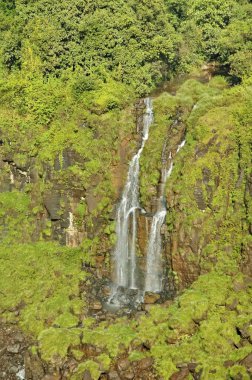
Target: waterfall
125	256
12	179
125	260
72	232
154	272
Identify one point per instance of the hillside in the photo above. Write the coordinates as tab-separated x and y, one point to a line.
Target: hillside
125	190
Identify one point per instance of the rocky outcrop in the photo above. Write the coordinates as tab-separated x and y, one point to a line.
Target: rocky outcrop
13	346
203	212
247	248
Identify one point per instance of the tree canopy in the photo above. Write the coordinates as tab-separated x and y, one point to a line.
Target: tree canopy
138	43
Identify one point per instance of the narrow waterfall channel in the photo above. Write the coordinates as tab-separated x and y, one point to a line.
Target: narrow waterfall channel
126	224
154	270
126	276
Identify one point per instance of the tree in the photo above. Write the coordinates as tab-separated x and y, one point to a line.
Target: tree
211	17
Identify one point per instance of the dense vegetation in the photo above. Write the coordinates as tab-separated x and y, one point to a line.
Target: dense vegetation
70	74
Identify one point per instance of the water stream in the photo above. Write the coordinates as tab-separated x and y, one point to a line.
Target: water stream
154	270
126	223
126	278
125	258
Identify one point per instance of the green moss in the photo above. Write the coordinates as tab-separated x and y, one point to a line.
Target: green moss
17	221
77	354
54	343
163	363
105	361
66	320
111	337
136	355
90	366
47	276
239	371
201	326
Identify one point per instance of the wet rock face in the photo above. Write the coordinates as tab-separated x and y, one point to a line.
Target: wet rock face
16	361
50	196
202	203
185	244
126	298
199	197
247	251
13	346
144	226
183	249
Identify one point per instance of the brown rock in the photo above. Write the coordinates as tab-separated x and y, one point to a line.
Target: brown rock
34	367
129	375
171	340
14	349
244	331
52	204
143	231
181	375
99	259
167	303
192	366
2	351
106	291
113	376
123	365
87	375
151	298
92	201
19	337
247	362
145	363
248	281
181	365
96	305
199	197
228	363
90	350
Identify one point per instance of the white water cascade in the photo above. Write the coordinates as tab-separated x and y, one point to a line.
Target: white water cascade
125	273
154	272
72	238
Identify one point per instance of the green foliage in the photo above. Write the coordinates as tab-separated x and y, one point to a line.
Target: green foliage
67	35
137	43
235	43
110	337
54	343
47	278
203	326
16	217
211	18
90	366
